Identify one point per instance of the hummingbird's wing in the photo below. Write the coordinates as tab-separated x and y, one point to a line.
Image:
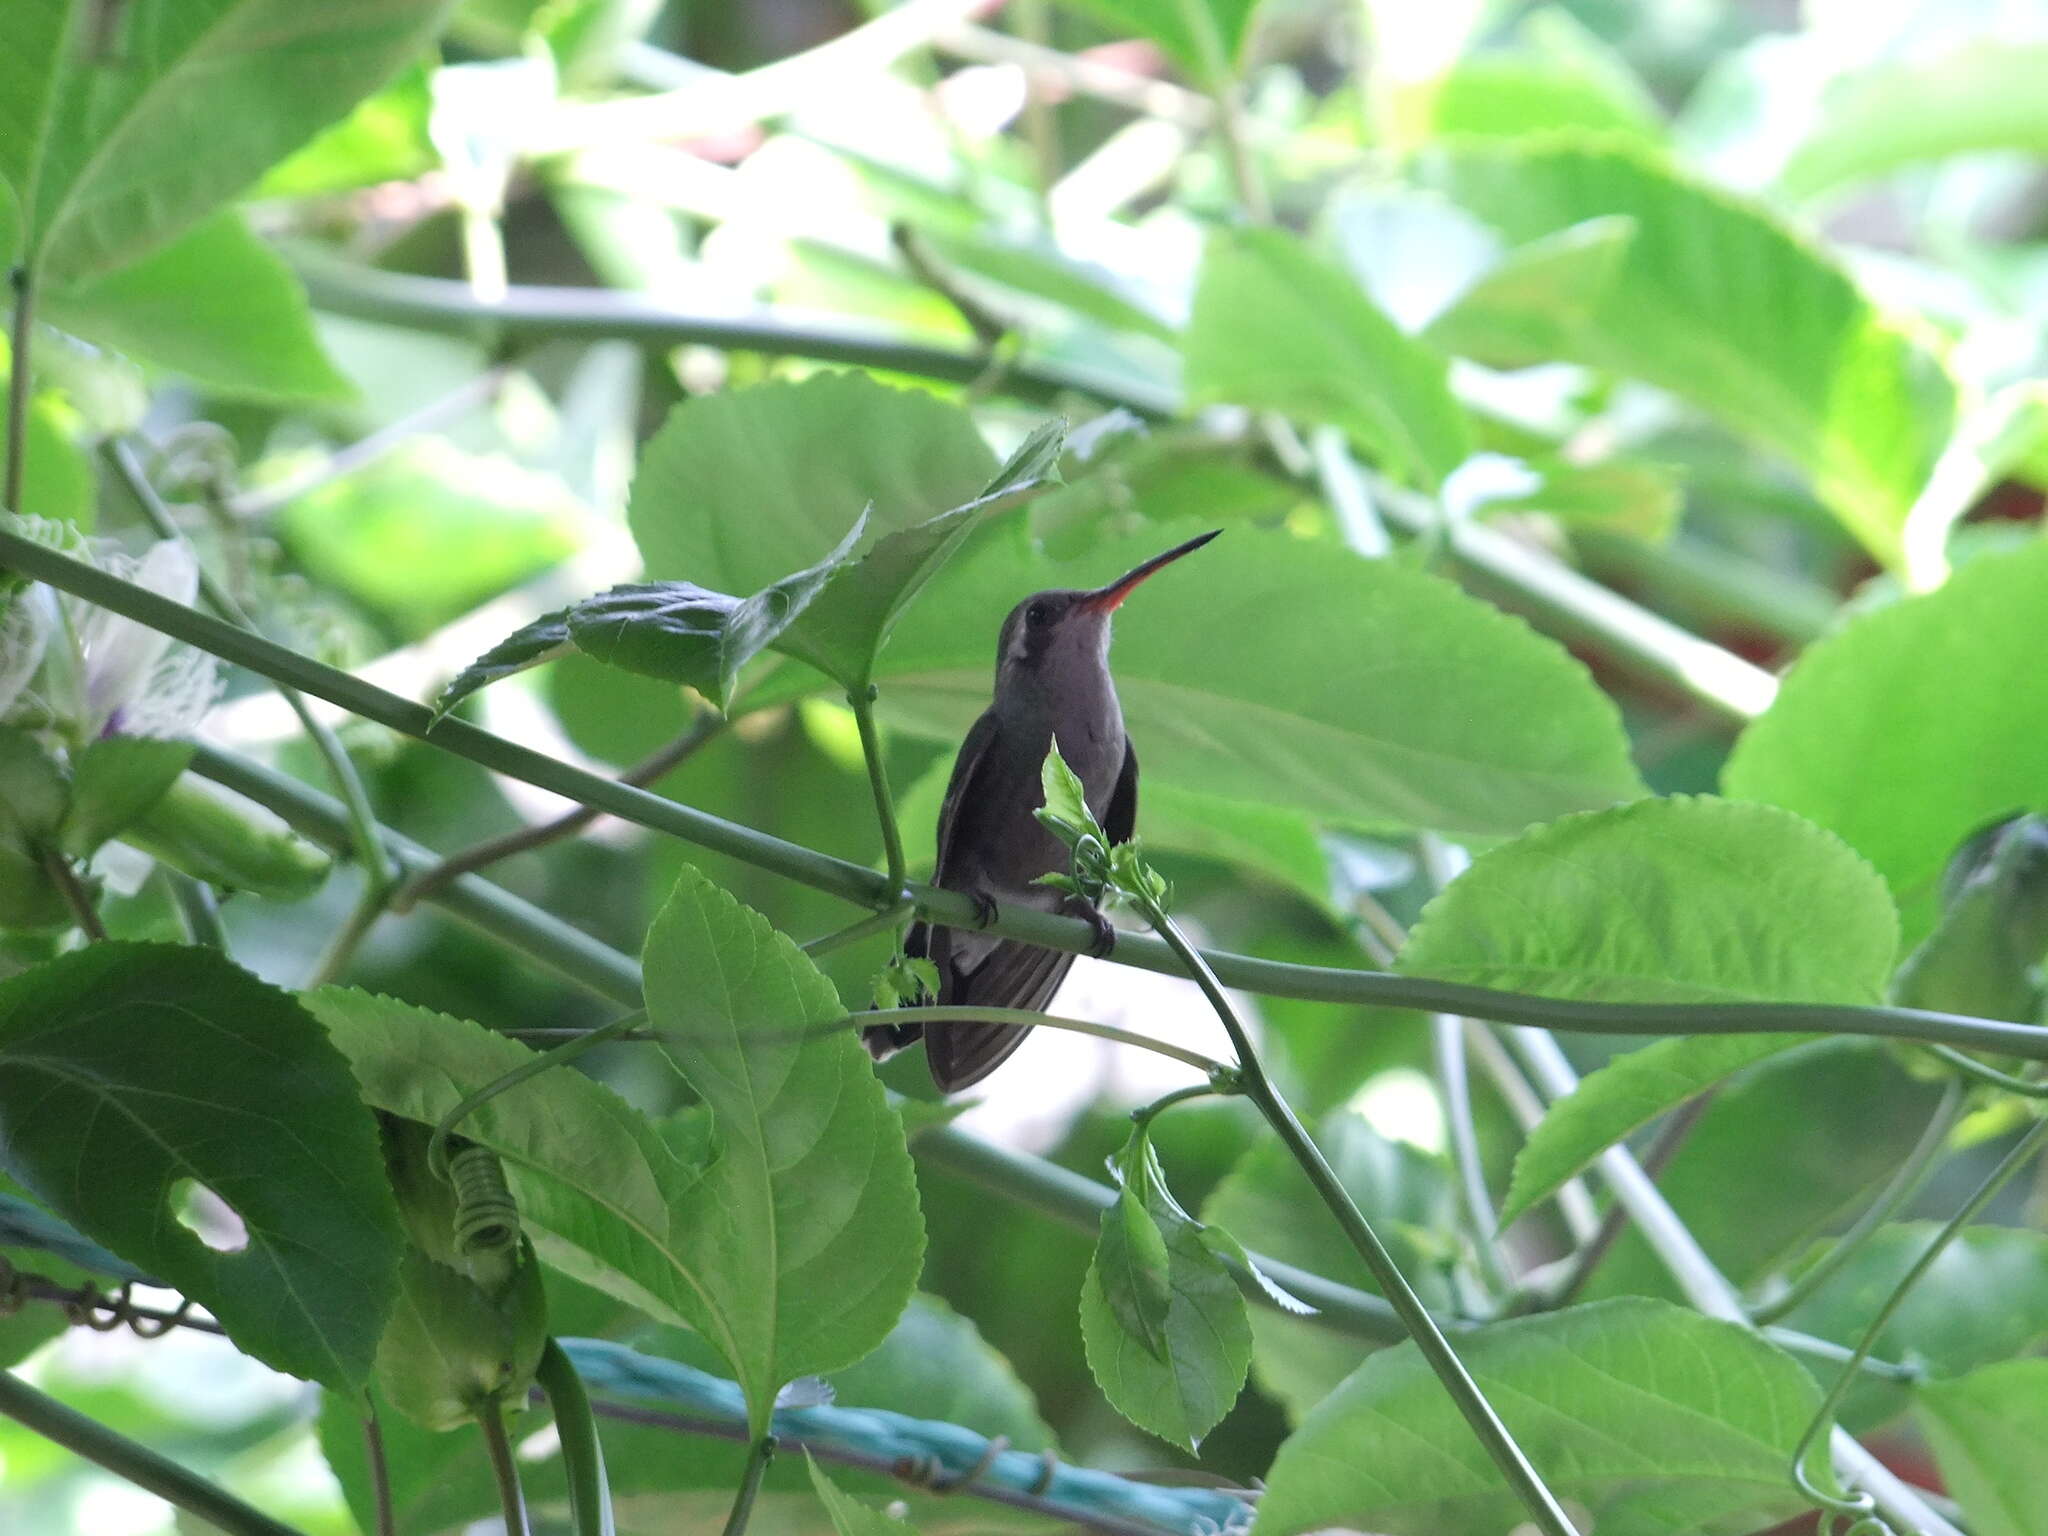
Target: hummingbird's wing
1120	817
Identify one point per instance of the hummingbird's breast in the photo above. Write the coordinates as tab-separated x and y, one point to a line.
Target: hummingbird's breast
1013	849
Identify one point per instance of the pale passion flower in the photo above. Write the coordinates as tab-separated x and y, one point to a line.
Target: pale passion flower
72	667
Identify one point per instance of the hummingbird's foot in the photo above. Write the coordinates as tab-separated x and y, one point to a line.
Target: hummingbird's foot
984	908
1105	933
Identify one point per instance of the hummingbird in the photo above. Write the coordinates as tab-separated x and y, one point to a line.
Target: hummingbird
1052	684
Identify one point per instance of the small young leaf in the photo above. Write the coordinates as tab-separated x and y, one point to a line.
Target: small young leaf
528	646
127	1070
849	1516
1066	802
1130	1267
115	781
1155	1275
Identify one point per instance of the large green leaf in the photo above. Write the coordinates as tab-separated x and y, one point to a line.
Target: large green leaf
935	1365
740	488
1280	327
130	1071
1984	1299
1984	95
216	305
1684	899
1913	725
1723	306
1444	713
597	1183
1657	1420
115	141
1987	1431
1687	899
1534	302
806	1222
1205	37
1267	1204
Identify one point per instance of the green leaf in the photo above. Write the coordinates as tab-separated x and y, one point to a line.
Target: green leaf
1045	272
131	1069
727	489
1983	957
681	633
1279	327
1627	498
1538	299
606	1194
1987	1430
849	1516
1983	95
545	639
1130	1263
1985	1299
1510	95
1676	900
2005	435
1223	668
1684	899
1911	726
216	305
115	781
438	1483
383	139
1657	1420
1182	1391
1066	802
1717	302
1265	1204
742	487
111	157
806	1220
1207	38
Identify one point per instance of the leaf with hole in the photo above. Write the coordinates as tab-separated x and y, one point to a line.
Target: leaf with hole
1655	1419
129	1072
109	158
1280	327
806	1222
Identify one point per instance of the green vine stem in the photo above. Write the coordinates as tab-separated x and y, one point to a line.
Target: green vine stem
590	1495
1863	1505
759	1454
2026	1088
76	896
1421	1327
138	1464
854	932
22	282
863	702
1910	1175
1053	931
379	1465
504	1470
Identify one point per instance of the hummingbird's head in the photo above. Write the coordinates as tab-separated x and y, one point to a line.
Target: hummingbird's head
1051	633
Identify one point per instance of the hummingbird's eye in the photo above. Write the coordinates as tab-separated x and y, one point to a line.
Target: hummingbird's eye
1037	613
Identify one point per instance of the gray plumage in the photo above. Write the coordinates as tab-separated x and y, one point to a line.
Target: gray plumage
1052	680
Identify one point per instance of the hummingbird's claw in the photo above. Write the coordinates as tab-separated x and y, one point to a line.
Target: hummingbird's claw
1105	933
984	908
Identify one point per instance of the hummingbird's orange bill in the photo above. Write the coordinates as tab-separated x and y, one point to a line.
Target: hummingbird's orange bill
1107	599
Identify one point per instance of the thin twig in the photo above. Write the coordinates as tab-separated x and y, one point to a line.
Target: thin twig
504	1471
197	908
854	932
657	764
75	895
1447	1054
759	1454
380	1471
18	384
863	702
